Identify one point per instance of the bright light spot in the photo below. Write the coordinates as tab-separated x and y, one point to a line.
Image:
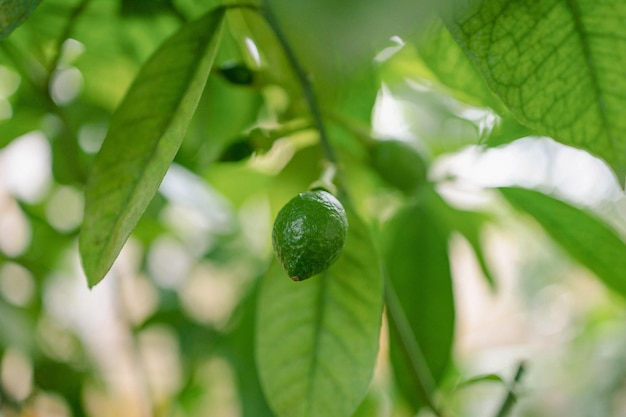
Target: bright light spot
9	82
15	232
91	136
388	118
66	85
50	405
25	167
160	354
169	262
64	209
6	111
16	284
210	295
256	226
390	51
534	163
72	49
16	374
185	189
253	50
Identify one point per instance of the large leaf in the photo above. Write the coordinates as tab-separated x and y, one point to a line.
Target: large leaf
317	339
145	134
557	65
422	314
443	56
13	13
586	238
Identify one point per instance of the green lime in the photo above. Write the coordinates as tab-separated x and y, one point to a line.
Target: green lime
398	164
237	73
309	233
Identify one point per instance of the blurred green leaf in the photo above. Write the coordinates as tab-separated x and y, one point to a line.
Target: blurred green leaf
13	13
63	379
466	222
589	240
144	136
317	340
239	349
21	123
416	260
556	66
15	328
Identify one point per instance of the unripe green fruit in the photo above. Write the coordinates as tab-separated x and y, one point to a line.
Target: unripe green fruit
398	164
309	234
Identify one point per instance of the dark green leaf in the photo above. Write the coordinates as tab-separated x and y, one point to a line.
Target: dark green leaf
416	262
13	13
145	133
556	64
584	236
317	339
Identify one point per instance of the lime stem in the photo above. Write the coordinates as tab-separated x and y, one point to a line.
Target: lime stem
303	79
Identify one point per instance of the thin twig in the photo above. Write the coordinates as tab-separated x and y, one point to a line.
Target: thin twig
304	80
511	398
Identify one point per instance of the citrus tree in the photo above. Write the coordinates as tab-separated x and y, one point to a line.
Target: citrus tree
199	154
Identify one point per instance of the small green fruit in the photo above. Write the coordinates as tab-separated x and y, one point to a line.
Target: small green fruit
398	164
309	234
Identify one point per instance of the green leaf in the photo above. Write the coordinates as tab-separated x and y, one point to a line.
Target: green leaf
317	339
466	222
13	13
443	56
416	262
585	237
145	134
239	349
556	64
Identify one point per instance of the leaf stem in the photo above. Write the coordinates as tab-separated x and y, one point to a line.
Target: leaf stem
304	80
511	398
398	320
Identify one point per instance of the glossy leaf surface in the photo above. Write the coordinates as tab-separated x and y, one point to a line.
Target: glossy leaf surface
317	339
144	136
418	268
557	65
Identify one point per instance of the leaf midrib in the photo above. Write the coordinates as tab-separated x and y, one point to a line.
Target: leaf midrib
581	31
322	300
143	166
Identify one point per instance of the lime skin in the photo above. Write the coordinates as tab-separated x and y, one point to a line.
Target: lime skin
398	164
309	234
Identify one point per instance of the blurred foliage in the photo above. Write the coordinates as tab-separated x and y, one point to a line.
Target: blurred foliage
177	129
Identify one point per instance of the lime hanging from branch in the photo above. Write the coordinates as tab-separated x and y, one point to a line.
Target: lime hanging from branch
309	234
